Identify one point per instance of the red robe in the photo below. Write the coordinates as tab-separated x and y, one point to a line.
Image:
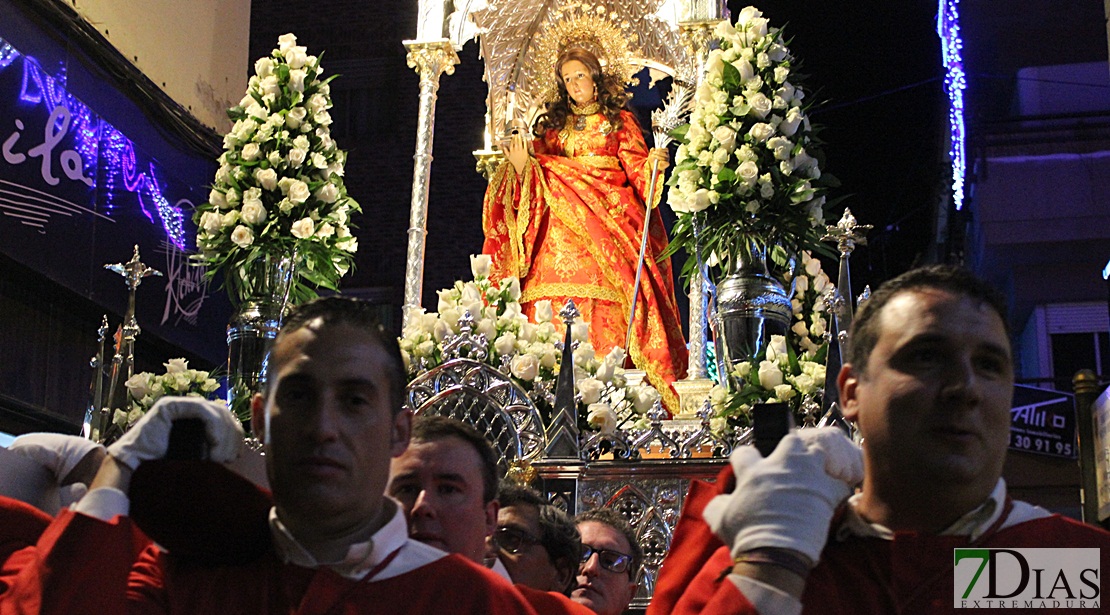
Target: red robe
83	565
570	227
911	574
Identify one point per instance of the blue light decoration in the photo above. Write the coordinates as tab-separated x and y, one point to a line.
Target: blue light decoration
96	138
955	82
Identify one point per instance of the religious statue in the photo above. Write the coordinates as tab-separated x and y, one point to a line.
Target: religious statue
565	212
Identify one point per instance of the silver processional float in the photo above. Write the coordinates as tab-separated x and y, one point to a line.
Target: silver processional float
643	474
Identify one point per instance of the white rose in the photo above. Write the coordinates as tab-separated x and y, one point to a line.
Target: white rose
643	398
805	383
296	56
821	283
602	418
813	266
267	178
761	131
781	73
230	218
726	136
761	105
325	230
296	81
525	366
778	346
327	193
605	371
264	67
139	385
254	212
316	103
616	356
590	389
770	376
580	332
303	228
210	221
295	117
250	151
479	265
784	392
298	191
800	329
285	41
801	284
223	174
544	311
745	69
744	19
319	161
270	86
297	157
701	200
505	344
217	199
322	118
748	171
817	329
242	236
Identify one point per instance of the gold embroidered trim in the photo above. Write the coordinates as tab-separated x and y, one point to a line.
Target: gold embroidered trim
604	162
566	289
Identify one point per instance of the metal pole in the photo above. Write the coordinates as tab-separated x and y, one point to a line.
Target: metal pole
429	59
643	251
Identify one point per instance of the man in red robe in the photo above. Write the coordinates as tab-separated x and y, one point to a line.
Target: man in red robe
928	381
331	420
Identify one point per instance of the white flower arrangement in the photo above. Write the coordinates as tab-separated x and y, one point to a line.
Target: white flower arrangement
145	388
748	163
525	350
792	370
279	189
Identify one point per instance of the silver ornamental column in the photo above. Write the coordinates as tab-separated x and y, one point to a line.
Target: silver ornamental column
430	54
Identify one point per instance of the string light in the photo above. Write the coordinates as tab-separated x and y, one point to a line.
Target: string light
98	140
955	82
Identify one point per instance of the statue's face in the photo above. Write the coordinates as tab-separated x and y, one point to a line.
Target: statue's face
578	82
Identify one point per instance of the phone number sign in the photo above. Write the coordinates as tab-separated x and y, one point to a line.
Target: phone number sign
1043	422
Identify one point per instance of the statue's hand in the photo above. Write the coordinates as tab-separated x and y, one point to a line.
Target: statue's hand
517	152
660	155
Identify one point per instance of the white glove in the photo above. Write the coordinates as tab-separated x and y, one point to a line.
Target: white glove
58	453
150	436
787	500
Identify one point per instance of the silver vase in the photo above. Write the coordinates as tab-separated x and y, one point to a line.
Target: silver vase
263	300
753	303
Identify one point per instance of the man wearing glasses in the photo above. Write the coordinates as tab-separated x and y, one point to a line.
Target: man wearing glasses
611	557
537	543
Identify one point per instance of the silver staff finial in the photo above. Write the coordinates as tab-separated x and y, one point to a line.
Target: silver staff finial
847	233
133	271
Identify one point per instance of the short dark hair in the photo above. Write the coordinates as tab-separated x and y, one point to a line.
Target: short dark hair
560	538
363	315
433	428
613	519
864	332
558	532
510	493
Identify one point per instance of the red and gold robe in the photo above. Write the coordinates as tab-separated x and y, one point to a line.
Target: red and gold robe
569	226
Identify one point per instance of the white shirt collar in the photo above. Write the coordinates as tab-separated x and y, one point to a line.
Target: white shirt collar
973	524
361	558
